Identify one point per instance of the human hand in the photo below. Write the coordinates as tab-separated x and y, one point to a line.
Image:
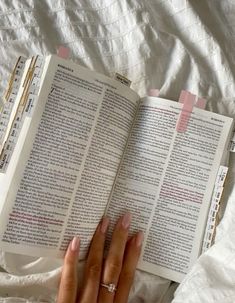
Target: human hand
118	268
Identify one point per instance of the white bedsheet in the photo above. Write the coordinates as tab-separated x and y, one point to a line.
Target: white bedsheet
166	44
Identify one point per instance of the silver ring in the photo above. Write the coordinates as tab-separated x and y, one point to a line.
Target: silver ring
110	287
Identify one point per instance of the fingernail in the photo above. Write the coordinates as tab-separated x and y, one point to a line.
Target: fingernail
75	244
126	220
139	239
104	225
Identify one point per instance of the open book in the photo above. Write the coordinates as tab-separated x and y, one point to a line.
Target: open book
78	145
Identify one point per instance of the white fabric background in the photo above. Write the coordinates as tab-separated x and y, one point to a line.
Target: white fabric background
166	44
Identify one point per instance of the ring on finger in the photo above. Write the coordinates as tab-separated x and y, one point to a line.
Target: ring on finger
111	287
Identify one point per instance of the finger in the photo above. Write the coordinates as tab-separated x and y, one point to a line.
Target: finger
68	282
113	263
131	257
94	263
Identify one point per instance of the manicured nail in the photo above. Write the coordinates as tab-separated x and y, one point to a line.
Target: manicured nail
139	238
104	225
75	244
126	220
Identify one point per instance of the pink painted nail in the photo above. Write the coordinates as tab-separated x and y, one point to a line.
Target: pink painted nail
126	220
104	225
139	238
75	244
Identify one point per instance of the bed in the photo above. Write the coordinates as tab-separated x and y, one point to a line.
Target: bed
165	44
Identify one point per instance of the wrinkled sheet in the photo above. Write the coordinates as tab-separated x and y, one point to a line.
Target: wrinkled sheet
165	44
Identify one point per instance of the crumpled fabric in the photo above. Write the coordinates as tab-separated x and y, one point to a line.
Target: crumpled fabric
165	44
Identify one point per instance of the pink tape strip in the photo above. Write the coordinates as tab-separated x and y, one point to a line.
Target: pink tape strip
185	113
63	52
201	103
153	92
183	96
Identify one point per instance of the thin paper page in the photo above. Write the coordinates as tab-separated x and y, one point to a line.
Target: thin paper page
166	180
73	150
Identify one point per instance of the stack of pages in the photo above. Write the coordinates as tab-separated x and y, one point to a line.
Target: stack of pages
75	145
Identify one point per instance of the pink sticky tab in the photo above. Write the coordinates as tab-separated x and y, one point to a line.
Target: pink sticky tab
185	113
63	52
183	96
153	92
201	103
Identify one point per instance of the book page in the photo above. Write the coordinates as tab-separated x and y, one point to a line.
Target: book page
166	180
68	162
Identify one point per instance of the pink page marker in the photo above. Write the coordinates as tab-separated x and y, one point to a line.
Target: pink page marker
201	103
185	113
63	52
153	92
183	96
